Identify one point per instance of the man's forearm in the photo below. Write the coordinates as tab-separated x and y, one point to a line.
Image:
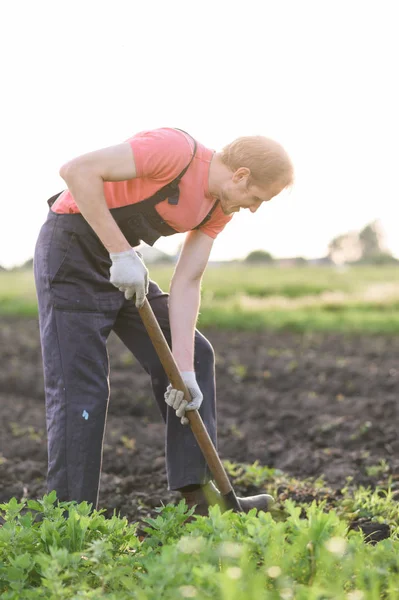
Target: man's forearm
184	302
88	192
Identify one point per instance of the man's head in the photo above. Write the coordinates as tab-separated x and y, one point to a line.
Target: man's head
249	171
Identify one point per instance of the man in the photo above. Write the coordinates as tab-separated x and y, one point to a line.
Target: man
90	281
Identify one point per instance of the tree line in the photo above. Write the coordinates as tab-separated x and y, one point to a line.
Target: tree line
364	247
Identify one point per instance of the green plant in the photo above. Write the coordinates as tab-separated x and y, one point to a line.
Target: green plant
74	553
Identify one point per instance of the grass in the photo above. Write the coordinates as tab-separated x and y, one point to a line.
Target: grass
304	550
17	293
235	296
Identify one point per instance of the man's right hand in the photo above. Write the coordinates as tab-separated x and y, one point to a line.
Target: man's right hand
130	275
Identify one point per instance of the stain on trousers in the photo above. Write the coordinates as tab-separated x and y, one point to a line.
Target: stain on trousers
78	308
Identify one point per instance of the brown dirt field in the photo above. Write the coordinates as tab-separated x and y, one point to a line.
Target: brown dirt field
310	405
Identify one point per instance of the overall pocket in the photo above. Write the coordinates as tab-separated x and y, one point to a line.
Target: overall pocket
60	248
79	274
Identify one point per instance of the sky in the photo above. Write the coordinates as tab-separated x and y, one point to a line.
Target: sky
319	76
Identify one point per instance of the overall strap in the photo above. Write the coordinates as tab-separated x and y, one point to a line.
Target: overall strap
169	191
194	152
208	216
51	200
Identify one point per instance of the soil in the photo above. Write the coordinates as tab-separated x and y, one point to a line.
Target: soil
309	404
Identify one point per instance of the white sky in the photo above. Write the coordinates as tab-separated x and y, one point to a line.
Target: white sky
318	76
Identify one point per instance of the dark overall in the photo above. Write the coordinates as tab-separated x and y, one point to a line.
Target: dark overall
78	308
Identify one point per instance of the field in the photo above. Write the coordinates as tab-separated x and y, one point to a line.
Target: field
241	297
307	377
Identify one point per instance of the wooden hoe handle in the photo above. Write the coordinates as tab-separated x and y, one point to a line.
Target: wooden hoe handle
171	369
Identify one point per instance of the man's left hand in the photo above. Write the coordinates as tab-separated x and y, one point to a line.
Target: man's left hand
175	398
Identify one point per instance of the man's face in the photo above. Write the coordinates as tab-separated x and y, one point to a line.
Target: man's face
237	194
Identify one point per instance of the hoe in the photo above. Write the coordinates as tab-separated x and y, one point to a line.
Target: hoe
204	441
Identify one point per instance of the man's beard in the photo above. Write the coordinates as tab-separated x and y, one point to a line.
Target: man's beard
223	201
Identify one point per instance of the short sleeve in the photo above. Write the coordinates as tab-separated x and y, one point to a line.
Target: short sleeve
160	153
216	223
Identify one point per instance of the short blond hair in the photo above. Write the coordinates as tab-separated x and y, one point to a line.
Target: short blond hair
266	159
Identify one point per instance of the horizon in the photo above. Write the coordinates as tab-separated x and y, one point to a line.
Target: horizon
174	256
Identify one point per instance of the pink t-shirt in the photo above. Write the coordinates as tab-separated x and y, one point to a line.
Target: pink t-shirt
160	155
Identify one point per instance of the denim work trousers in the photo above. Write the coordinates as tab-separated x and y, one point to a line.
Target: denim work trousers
78	308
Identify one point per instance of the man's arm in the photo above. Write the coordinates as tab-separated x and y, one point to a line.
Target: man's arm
184	300
85	176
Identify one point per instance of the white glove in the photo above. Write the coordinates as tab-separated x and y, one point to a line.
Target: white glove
129	274
175	398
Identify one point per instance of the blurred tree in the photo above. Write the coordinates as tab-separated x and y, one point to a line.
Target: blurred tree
300	261
372	241
259	256
384	258
28	264
345	248
366	247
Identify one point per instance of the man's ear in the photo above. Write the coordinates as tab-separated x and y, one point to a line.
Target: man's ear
241	173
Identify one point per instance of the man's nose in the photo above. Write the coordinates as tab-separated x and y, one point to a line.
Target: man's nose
254	208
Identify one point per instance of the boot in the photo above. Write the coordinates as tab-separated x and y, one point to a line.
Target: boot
208	495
